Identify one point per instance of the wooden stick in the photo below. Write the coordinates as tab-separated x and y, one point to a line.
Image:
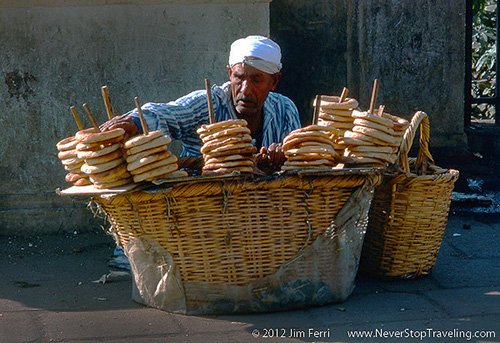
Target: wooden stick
107	101
317	102
141	116
376	84
210	105
343	96
91	117
76	117
380	110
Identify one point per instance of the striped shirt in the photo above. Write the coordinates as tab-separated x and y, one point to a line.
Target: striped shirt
181	118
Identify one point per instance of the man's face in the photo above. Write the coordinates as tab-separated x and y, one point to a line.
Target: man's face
250	87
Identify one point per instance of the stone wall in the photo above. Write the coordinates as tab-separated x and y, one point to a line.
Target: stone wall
59	53
415	48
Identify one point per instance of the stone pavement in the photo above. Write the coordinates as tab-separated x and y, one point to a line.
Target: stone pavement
48	294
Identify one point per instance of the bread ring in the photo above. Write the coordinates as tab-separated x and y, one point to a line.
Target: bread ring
142	139
363	160
231	147
68	143
292	143
379	120
152	174
166	156
241	163
372	148
98	145
373	125
99	168
399	124
229	158
155	165
118	172
226	133
71	161
311	149
357	142
156	142
249	149
364	137
65	154
217	143
113	184
84	133
207	128
97	153
309	163
82	182
391	140
71	177
104	158
102	136
314	129
223	171
145	153
73	168
335	117
332	101
174	174
376	155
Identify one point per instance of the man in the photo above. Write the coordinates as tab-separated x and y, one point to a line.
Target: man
254	71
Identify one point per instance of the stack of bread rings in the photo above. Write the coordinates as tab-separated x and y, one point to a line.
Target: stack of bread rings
227	147
72	163
374	139
311	147
336	113
103	156
148	157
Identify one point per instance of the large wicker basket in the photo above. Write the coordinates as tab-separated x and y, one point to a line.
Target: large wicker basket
227	245
409	212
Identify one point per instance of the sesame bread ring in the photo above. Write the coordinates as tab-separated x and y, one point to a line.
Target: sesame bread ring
295	142
391	140
153	174
114	184
357	142
71	161
97	153
372	148
250	149
231	147
333	102
399	124
118	172
226	132
364	137
372	117
150	159
215	127
223	171
311	149
62	155
99	168
102	136
146	153
373	125
98	145
155	165
82	182
104	158
306	134
74	168
335	112
156	142
142	139
230	158
68	143
335	117
85	132
217	143
242	163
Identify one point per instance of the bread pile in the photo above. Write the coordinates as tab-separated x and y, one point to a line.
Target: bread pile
227	147
311	147
103	157
72	163
374	140
148	157
338	115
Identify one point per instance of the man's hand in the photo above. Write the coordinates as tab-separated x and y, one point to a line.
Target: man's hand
271	159
125	122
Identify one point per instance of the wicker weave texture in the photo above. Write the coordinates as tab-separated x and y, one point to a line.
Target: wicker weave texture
409	213
231	231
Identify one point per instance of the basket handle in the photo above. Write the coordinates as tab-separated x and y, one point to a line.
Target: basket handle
419	120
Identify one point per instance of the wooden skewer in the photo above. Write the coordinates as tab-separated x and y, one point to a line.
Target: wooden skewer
141	116
76	117
91	117
317	103
380	110
210	105
107	101
343	96
376	84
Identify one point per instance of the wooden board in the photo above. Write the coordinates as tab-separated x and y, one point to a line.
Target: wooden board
91	190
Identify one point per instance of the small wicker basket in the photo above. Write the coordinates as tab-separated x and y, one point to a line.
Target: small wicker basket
409	212
245	245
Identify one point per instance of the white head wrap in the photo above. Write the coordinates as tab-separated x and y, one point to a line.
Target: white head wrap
257	51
